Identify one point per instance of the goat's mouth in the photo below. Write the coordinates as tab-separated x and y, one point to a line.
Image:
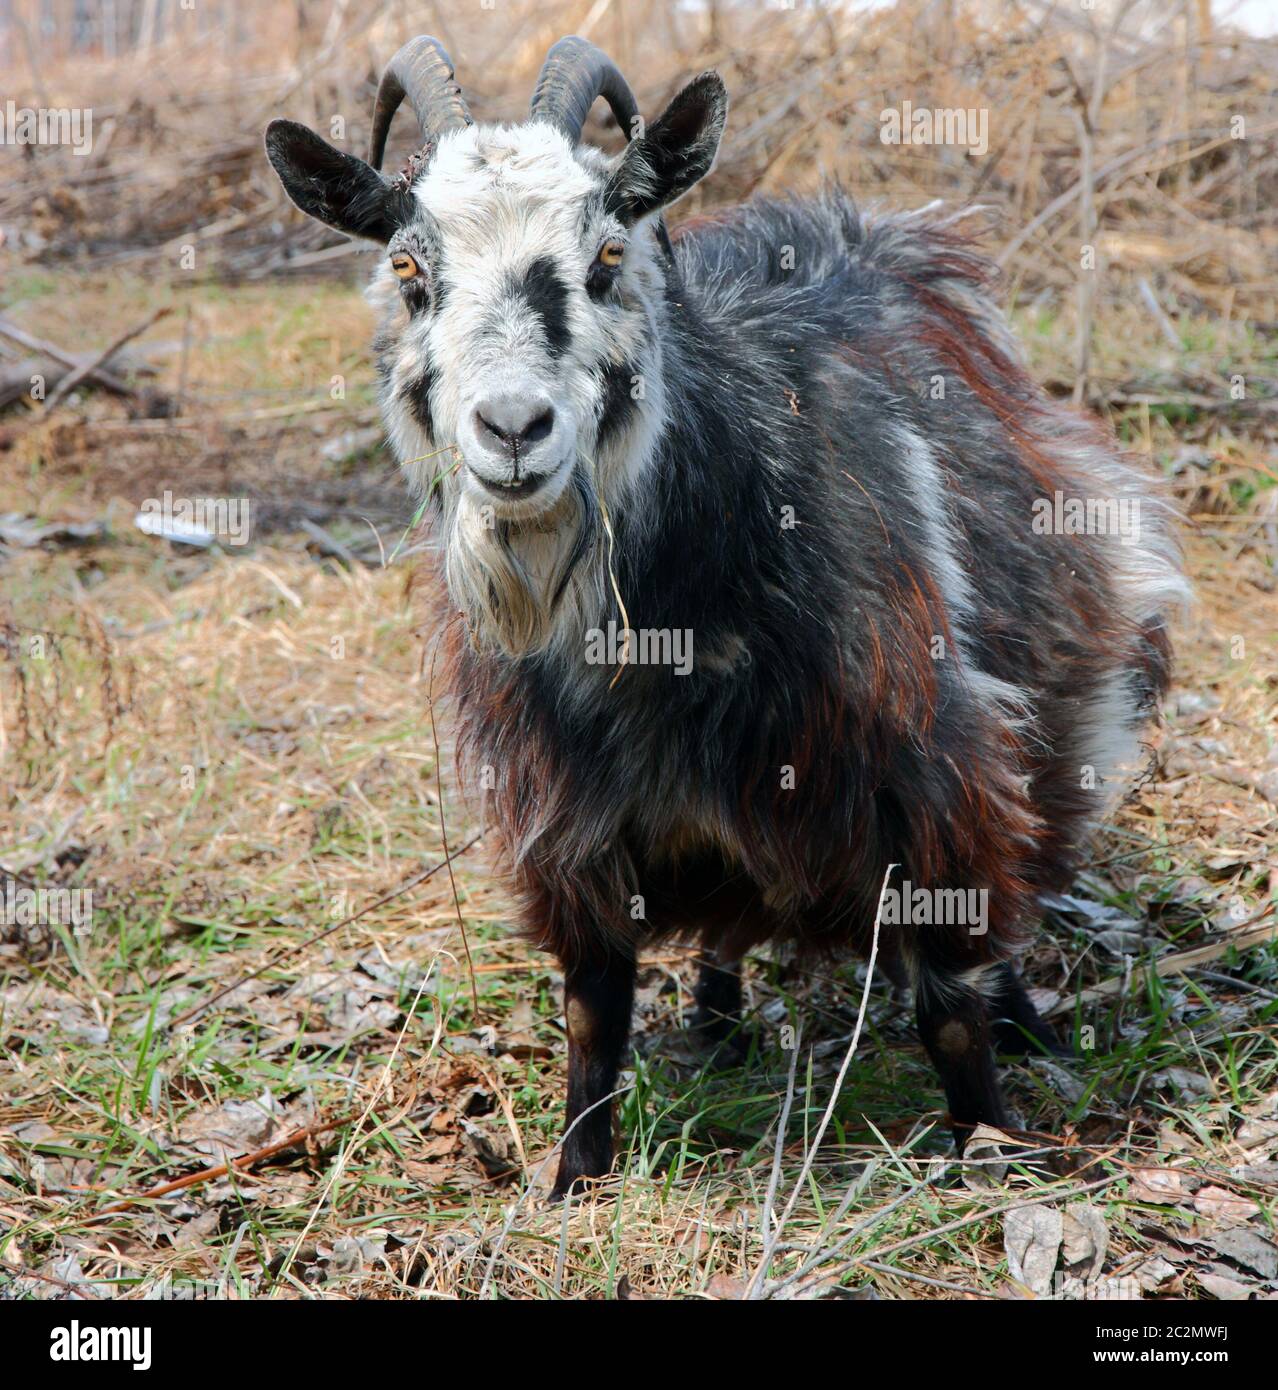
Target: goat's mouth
516	489
520	495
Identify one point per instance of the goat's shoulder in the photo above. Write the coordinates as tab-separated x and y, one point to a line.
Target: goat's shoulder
766	242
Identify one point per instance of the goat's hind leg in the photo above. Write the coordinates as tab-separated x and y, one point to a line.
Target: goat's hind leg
1019	1029
716	1020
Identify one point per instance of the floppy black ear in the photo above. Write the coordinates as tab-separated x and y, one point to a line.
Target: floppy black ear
675	151
333	186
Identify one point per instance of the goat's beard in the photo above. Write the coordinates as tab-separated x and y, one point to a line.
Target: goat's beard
525	586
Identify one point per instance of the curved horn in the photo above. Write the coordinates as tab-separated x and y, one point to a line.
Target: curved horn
574	74
423	72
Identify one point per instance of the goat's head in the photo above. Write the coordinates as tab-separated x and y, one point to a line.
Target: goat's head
520	354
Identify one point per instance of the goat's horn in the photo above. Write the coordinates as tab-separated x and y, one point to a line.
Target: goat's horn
423	72
574	74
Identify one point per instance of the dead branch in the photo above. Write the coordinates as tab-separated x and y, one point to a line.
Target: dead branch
69	383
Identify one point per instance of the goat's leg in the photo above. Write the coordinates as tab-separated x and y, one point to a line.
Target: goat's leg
716	1020
954	1025
598	998
1018	1028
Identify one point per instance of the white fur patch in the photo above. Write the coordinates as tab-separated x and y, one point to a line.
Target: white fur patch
496	199
1003	701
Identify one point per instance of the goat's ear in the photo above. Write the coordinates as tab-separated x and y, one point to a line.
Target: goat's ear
675	151
333	186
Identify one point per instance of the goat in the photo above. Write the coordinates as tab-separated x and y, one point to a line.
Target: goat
804	437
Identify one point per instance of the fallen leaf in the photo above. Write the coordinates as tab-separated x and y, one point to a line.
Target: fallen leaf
32	1132
1032	1240
1163	1185
1216	1201
1253	1133
725	1286
1085	1239
439	1147
1154	1273
1069	1087
1248	1249
1261	1124
1219	1286
984	1161
1091	914
238	1127
1192	1084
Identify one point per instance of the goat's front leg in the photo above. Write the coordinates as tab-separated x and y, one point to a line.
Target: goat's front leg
598	997
956	1032
955	1027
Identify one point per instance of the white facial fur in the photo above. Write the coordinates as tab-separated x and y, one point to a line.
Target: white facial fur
496	200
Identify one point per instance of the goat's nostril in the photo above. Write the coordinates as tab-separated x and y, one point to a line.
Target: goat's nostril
492	430
539	428
512	425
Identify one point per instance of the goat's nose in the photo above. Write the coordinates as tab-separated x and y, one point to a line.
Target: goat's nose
513	423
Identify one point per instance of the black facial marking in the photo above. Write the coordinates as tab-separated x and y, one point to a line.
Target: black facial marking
384	356
416	394
417	293
617	380
600	279
547	297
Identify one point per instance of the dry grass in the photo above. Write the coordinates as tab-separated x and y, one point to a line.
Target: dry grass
231	749
229	788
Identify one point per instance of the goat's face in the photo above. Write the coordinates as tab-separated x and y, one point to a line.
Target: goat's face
517	318
520	348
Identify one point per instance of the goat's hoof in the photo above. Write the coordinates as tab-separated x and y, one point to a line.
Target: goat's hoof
575	1182
1011	1041
577	1187
726	1041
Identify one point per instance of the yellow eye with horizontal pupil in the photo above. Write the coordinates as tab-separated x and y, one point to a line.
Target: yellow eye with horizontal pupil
403	265
611	253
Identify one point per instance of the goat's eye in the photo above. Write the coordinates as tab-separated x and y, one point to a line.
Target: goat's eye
611	253
404	265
